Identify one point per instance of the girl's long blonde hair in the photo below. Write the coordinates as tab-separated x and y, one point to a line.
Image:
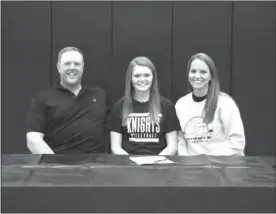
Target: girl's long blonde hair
154	98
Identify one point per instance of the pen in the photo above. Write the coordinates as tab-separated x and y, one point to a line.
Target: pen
158	161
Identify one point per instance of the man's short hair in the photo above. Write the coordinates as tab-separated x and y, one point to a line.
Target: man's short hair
66	49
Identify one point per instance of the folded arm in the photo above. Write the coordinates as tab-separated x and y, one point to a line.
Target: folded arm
171	148
116	143
36	144
182	149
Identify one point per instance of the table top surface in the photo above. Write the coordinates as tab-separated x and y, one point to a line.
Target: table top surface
106	170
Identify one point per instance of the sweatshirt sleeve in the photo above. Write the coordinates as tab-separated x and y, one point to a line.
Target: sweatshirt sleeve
233	126
182	149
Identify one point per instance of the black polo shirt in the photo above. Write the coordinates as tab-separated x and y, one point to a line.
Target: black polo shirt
71	124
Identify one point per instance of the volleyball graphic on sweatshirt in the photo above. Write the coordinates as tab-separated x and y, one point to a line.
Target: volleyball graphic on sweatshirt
196	131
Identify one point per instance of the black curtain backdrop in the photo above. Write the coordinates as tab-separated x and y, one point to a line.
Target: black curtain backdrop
239	36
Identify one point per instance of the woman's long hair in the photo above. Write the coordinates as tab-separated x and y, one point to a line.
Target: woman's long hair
154	98
213	89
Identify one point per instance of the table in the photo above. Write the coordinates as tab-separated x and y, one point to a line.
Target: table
109	183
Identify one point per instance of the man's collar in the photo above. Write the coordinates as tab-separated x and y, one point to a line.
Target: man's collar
60	87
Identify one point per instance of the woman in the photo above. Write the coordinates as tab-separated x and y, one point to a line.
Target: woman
142	122
210	119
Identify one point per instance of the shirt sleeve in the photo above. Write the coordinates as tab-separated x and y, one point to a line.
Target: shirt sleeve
171	121
233	127
105	106
36	116
114	120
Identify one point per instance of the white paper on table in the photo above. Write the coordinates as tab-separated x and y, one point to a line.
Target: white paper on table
144	160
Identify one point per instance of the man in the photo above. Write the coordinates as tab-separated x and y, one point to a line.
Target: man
70	117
